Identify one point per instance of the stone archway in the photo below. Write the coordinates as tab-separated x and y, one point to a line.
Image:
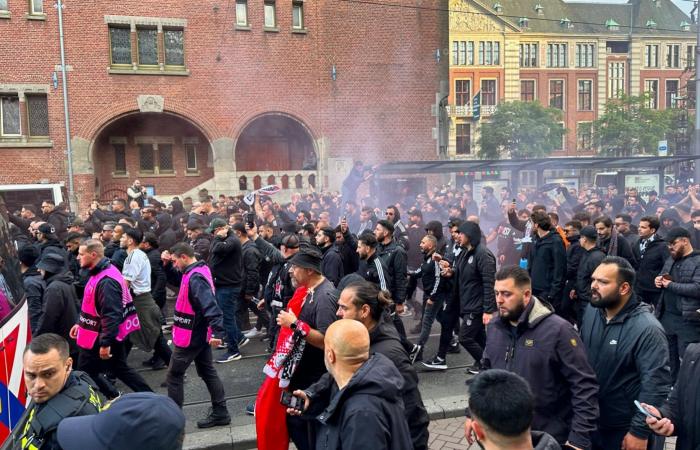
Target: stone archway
275	142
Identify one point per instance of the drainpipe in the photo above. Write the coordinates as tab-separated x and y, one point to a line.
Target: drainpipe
72	201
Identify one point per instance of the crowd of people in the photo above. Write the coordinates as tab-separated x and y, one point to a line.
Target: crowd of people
572	305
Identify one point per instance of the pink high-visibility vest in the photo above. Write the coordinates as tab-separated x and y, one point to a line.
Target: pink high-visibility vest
183	318
89	321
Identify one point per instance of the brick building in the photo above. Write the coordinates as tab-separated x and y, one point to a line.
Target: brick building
223	95
571	56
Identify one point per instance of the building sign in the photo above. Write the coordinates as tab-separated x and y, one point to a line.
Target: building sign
644	182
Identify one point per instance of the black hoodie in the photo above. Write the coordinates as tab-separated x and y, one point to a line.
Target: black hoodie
34	289
474	274
60	310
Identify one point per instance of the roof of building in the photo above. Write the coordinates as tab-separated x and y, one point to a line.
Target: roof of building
655	17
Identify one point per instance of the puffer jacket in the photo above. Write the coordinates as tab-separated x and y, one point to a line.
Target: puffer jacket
685	285
394	257
474	276
547	266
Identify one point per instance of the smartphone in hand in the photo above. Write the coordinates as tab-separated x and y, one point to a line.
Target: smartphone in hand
291	401
644	411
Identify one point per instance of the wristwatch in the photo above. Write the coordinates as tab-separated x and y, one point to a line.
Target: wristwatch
293	325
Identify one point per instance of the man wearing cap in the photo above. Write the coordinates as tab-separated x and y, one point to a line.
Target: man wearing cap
316	315
57	392
198	239
58	218
60	307
196	311
47	240
590	259
226	264
102	326
34	285
679	303
142	420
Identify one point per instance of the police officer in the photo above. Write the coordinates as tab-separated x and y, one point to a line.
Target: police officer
57	392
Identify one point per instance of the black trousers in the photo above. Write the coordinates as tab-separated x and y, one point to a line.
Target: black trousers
603	439
89	362
398	323
301	432
203	361
472	335
449	322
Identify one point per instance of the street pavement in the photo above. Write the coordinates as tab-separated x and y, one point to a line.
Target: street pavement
444	392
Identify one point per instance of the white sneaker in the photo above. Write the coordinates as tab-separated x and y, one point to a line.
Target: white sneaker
253	333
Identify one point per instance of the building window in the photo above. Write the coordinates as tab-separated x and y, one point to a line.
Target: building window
242	13
585	55
651	89
488	93
585	95
651	56
556	94
462	92
528	55
463	140
270	19
120	44
616	79
527	90
489	53
672	93
147	41
3	5
119	159
37	7
147	160
297	15
584	136
690	56
38	115
9	116
191	156
463	53
673	56
174	46
556	55
165	158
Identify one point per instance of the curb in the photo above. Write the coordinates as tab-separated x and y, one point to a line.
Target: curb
243	437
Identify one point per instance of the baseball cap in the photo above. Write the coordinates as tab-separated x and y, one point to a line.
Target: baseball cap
676	233
589	232
142	420
216	223
46	228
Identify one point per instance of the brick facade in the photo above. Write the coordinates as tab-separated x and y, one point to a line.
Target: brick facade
378	108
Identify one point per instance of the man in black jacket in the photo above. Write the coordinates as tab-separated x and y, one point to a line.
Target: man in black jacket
365	408
651	253
590	259
612	242
226	264
251	285
627	348
332	263
159	280
547	262
544	349
372	267
679	304
198	239
34	285
347	246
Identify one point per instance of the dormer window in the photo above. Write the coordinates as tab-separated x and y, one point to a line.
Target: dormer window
566	23
685	26
539	9
498	7
523	22
611	25
651	24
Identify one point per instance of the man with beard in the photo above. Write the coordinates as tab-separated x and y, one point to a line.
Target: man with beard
372	268
627	348
331	264
651	252
590	259
544	349
679	281
346	243
611	241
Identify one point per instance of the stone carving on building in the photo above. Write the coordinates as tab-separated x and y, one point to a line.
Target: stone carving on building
150	103
464	16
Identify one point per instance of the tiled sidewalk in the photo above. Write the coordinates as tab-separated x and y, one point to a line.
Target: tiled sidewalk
449	434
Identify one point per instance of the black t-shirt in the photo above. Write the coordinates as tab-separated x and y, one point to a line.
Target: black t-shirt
319	313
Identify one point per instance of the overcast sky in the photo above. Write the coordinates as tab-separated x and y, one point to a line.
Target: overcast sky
683	4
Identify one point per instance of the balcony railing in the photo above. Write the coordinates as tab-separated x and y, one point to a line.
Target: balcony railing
468	111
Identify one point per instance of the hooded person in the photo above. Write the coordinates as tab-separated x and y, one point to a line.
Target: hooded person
48	241
669	219
166	235
34	285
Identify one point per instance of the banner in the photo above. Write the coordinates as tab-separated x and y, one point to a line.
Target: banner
271	189
14	338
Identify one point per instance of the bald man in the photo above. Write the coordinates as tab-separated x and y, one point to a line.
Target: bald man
365	409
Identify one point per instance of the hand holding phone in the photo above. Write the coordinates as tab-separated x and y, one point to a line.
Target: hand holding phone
296	404
645	411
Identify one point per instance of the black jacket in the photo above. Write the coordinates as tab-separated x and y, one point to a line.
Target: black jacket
60	221
434	285
685	287
574	253
630	357
683	404
395	259
34	288
158	278
332	264
108	304
368	412
251	268
546	350
474	277
650	265
547	266
60	311
226	261
201	245
624	249
590	259
374	270
348	253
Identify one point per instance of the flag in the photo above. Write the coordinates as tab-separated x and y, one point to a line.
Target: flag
14	338
476	106
271	189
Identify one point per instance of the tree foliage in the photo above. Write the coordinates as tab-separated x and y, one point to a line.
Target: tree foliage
629	127
521	130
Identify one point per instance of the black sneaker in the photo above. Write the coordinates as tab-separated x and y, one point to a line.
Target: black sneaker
454	346
416	353
436	363
228	357
243	342
159	365
474	369
215	419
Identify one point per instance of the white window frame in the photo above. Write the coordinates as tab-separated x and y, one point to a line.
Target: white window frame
2	126
471	91
534	90
7	6
648	55
586	55
563	92
669	53
298	6
193	142
655	100
578	130
269	6
469	142
33	11
552	56
674	103
529	46
481	89
610	79
578	105
242	5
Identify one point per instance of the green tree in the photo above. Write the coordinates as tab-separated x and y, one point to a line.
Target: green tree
521	130
629	127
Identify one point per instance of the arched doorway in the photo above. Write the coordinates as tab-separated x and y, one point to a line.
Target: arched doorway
166	152
275	142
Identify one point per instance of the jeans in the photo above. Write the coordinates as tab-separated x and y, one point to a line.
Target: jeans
430	313
203	362
227	298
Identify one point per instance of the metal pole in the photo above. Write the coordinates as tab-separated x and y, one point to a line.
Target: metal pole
696	145
64	82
